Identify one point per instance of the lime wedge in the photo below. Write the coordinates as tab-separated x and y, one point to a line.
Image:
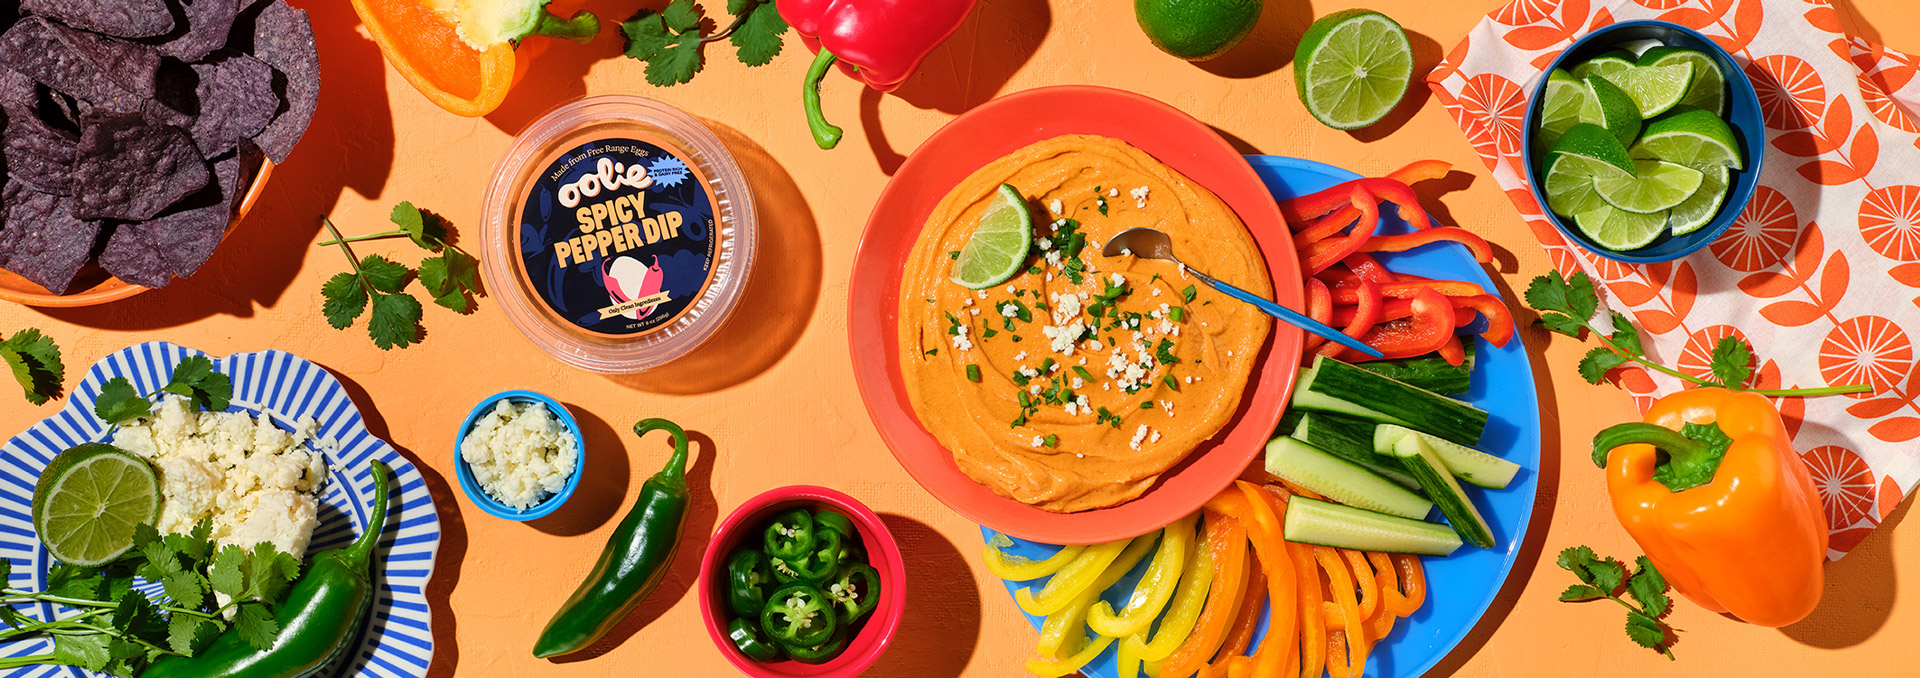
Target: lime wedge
88	501
1709	88
1352	67
1620	230
1605	64
1655	186
1654	89
1594	142
1560	107
1690	136
1705	204
1569	183
1638	47
1608	106
999	246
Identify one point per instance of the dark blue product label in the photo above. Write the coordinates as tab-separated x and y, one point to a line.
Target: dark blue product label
618	236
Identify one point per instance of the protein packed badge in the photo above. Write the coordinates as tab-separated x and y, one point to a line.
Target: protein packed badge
617	235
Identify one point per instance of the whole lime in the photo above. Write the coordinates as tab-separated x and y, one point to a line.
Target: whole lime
1196	30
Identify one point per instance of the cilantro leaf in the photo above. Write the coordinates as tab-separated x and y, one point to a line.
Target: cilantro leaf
395	321
451	279
1565	305
1649	589
383	275
668	40
256	626
267	576
6	570
12	618
195	378
73	581
138	617
1598	361
228	574
1625	335
1607	574
344	298
184	632
1577	559
757	38
1732	362
89	652
36	364
426	229
1580	593
118	402
1646	631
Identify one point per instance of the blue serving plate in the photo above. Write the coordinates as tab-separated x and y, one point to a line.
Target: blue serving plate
1461	587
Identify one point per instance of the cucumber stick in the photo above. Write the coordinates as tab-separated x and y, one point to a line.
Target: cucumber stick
1311	521
1466	463
1429	371
1341	480
1352	439
1334	386
1426	466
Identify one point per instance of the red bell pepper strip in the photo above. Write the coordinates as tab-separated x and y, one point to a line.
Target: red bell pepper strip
1325	226
1307	207
1319	308
1398	193
1453	351
1421	170
1482	252
1395	309
1425	331
1365	266
1366	315
1406	289
1499	319
1322	254
878	42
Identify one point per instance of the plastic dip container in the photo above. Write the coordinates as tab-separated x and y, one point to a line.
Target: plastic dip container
618	233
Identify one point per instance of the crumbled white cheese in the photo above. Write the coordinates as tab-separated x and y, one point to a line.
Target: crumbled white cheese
1020	356
1140	197
1154	438
1008	309
1065	308
520	453
1118	279
1126	251
1055	206
1046	243
960	339
1062	337
1039	441
1113	193
1139	435
1010	289
966	301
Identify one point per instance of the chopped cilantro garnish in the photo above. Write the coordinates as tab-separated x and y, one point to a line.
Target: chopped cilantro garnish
1033	270
1146	404
953	325
1084	374
1052	440
1101	202
973	373
1163	352
1188	293
1165	379
1020	378
1016	337
953	254
988	333
1046	366
933	351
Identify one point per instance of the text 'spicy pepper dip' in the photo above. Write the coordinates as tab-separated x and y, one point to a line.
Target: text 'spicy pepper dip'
619	233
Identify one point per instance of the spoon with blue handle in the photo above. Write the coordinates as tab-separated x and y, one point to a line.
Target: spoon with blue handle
1150	243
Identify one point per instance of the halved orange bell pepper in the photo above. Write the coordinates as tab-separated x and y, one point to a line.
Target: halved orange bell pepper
1711	488
465	69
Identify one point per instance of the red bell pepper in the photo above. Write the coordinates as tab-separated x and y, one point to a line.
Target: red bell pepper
1405	289
1421	170
1319	308
1482	252
1453	351
1369	268
1395	309
1366	314
878	42
1499	319
1428	328
1324	226
1325	253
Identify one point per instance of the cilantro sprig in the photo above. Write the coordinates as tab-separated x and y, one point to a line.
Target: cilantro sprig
1606	578
669	40
450	276
117	629
35	362
193	378
1570	305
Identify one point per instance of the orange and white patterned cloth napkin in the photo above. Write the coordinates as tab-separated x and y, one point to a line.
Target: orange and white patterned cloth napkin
1821	273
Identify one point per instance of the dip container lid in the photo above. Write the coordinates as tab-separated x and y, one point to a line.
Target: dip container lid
618	233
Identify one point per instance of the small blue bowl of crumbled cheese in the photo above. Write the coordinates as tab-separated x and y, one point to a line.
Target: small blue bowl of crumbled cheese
518	455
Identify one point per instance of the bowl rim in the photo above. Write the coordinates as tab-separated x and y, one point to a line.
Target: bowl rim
486	502
886	618
1702	238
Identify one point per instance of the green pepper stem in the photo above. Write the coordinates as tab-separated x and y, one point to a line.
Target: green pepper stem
825	135
674	474
360	552
582	27
1662	438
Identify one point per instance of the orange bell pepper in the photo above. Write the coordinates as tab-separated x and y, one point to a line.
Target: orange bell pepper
1282	581
1711	488
1313	626
1227	541
459	63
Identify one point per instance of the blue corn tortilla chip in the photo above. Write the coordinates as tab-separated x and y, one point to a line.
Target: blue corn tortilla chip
207	23
121	18
236	101
104	71
10	193
130	168
283	39
45	242
40	154
177	243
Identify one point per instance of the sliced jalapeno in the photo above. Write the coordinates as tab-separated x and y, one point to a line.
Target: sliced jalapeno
835	520
855	592
749	576
747	638
818	654
798	615
817	566
791	535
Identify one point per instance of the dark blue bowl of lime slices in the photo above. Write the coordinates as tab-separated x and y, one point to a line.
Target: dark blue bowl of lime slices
1644	142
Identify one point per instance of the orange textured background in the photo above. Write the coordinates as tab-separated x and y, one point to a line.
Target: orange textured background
771	401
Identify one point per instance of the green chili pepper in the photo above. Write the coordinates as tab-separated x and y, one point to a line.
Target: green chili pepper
855	592
746	638
818	654
797	615
635	560
834	520
816	566
748	578
319	620
790	536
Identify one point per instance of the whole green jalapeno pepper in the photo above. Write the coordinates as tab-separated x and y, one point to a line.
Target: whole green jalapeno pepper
791	535
319	620
635	560
748	578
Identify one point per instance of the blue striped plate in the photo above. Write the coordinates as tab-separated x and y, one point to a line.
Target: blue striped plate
399	641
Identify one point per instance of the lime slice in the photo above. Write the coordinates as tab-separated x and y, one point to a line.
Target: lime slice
1605	64
1639	47
999	246
1709	88
1608	106
1352	68
1569	183
1705	204
1654	89
1690	136
1620	230
1655	186
88	501
1560	107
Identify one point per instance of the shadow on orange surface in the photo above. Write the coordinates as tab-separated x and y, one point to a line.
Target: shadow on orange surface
605	476
941	626
555	71
781	292
967	70
1860	592
684	572
1269	47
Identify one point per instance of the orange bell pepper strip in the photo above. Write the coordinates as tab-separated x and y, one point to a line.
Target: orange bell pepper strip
1227	541
1710	487
1282	581
1476	245
1313	627
1392	602
1413	580
1156	587
436	51
1363	580
1340	582
1245	621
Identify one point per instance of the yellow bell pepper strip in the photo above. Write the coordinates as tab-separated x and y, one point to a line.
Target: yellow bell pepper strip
1313	626
1182	612
1015	568
1127	661
1271	547
1056	669
1340	585
1710	487
1066	585
1156	585
1227	541
1066	628
462	56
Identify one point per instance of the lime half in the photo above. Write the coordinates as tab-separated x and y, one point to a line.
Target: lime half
1654	89
1605	64
999	246
1690	136
1654	187
1620	230
1196	30
1608	106
1560	108
1709	88
89	500
1700	209
1352	68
